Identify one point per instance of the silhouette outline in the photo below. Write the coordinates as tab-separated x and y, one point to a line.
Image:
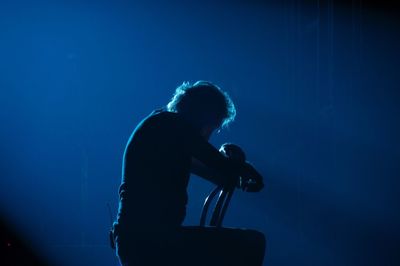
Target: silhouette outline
163	150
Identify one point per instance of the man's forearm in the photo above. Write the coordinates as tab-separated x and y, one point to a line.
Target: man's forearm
200	169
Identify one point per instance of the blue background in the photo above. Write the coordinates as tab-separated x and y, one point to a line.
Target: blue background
316	86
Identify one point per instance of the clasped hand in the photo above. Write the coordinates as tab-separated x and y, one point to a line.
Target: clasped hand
249	179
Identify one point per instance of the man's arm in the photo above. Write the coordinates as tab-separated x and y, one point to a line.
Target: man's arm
228	150
200	169
209	163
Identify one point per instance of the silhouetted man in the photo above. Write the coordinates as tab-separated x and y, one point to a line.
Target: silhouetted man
161	153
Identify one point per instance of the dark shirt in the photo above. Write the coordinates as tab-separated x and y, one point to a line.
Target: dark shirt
156	170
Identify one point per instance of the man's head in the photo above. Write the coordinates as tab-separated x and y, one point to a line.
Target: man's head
204	105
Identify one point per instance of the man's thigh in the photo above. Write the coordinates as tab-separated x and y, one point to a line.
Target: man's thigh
221	246
196	246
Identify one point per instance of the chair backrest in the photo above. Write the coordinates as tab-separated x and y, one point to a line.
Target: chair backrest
221	205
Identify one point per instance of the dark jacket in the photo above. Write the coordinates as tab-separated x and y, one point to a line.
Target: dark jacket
156	170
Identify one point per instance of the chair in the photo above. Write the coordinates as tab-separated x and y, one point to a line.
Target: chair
221	205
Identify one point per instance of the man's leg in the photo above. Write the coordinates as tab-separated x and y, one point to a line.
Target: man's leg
153	250
195	246
220	246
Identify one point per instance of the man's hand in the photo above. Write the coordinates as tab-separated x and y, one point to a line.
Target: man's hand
250	180
233	152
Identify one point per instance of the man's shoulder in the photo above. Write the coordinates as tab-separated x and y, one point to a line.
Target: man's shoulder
166	119
161	115
159	119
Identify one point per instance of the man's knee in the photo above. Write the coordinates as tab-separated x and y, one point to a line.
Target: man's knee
256	242
258	237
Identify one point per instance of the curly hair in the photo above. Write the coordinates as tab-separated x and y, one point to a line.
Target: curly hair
203	103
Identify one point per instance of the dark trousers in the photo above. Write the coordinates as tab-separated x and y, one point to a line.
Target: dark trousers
192	246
